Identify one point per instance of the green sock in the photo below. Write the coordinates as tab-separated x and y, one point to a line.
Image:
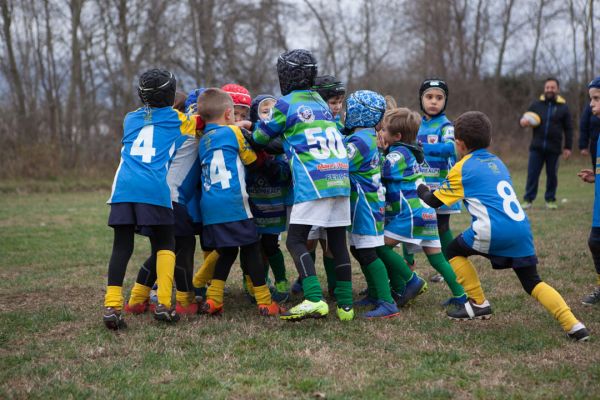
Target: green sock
329	264
370	283
398	271
438	261
380	279
408	257
278	266
343	293
446	238
312	288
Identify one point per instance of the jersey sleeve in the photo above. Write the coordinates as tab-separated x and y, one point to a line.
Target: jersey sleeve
247	155
445	148
188	123
355	156
452	189
265	131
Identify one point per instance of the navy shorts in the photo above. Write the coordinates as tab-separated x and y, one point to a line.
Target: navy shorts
230	234
458	247
203	244
139	214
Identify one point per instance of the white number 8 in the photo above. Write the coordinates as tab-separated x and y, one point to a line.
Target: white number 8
510	201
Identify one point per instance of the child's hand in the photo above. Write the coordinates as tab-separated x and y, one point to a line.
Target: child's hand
244	124
587	175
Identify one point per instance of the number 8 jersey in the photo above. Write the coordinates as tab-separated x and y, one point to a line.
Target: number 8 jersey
312	143
149	138
499	225
223	153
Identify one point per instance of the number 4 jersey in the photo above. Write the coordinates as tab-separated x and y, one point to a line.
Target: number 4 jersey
223	153
149	137
499	225
312	143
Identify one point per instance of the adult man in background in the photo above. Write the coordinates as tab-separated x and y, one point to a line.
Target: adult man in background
547	142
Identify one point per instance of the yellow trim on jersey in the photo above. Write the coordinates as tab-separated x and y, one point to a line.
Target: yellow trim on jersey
247	155
188	125
452	190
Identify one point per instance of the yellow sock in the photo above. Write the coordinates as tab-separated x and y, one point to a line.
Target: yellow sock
555	304
114	297
165	268
205	254
184	298
215	291
249	285
206	270
598	280
262	295
466	275
139	294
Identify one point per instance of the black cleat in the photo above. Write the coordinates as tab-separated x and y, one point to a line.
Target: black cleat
592	298
113	319
164	314
580	335
470	310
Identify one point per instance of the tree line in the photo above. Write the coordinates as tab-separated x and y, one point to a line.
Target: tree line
68	68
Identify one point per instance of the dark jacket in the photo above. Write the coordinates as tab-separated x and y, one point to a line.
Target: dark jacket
589	128
556	121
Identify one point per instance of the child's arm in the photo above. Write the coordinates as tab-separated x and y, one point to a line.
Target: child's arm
266	131
449	192
189	123
445	148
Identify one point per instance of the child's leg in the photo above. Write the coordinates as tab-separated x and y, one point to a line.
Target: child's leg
227	256
465	272
548	297
438	261
446	236
145	279
185	246
398	272
165	262
121	253
594	245
371	288
329	264
336	240
409	257
296	244
250	257
207	269
375	273
270	245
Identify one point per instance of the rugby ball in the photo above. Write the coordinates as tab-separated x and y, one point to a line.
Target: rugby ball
533	119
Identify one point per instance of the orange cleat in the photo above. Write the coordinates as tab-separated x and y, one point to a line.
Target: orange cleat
270	310
211	307
136	309
190	309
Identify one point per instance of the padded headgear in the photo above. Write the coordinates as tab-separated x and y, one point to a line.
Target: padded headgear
239	94
156	88
433	83
328	86
364	108
297	70
254	117
595	83
191	103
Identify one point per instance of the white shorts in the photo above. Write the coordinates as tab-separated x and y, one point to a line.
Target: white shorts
365	241
414	245
316	233
328	212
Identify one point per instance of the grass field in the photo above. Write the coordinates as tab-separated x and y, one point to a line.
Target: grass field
54	250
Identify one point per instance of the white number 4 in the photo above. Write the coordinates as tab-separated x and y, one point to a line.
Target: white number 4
142	145
218	171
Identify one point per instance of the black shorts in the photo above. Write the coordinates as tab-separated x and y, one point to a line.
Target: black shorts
458	247
139	214
230	234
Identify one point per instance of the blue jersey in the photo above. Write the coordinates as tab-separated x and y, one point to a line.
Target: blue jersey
312	143
367	197
149	138
436	136
499	225
184	171
596	218
223	153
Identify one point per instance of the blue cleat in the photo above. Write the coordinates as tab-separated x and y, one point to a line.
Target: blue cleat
383	310
414	287
366	301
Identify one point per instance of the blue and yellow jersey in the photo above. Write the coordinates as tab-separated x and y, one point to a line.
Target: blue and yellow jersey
405	214
268	196
367	196
223	153
596	217
312	143
499	225
436	136
149	141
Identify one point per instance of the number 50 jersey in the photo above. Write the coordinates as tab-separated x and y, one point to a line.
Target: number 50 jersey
499	225
223	152
312	143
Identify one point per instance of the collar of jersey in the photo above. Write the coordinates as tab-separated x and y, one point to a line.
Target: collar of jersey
429	121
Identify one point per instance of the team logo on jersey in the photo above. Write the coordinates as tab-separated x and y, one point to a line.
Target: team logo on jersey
393	158
448	132
494	168
374	161
306	114
351	150
432	139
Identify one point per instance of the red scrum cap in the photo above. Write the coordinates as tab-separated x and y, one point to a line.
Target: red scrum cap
239	94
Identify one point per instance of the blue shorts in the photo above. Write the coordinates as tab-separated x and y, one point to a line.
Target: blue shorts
139	214
498	262
230	234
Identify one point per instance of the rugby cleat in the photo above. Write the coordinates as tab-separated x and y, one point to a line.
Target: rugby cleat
306	309
592	298
580	334
470	310
113	319
165	314
414	287
366	301
383	310
270	310
211	307
136	309
345	313
190	309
